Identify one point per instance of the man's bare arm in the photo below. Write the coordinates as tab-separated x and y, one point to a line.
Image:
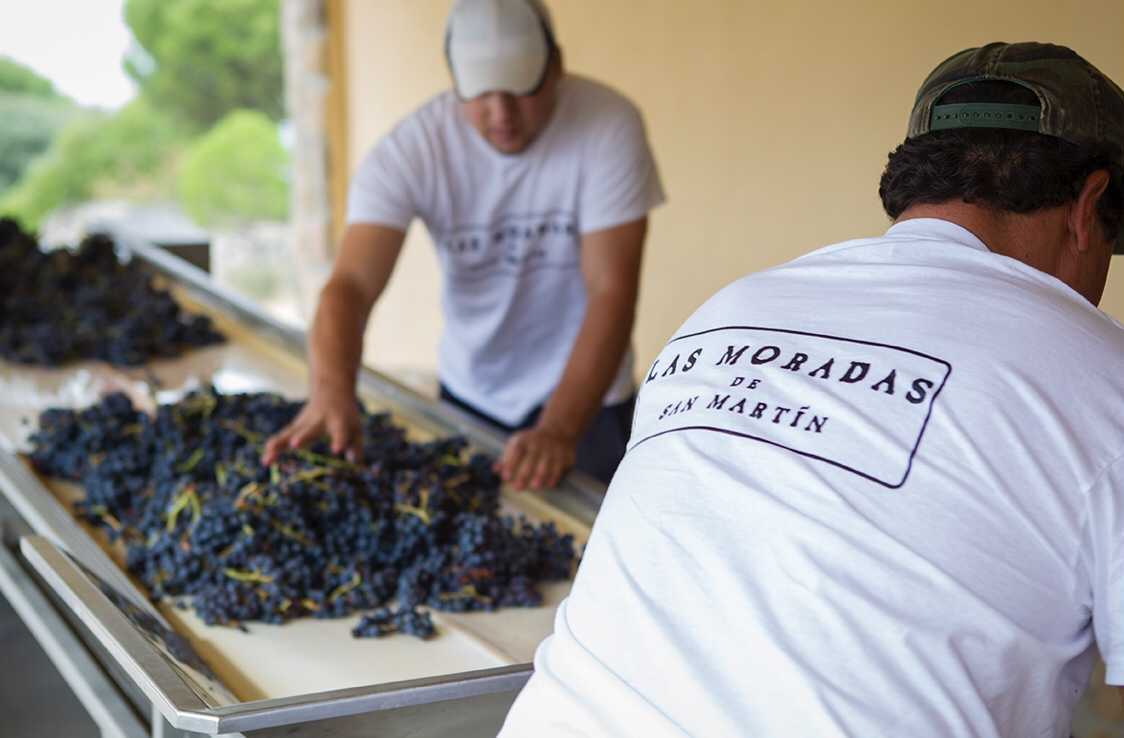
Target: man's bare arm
361	271
610	263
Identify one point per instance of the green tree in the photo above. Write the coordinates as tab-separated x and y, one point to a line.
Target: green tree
15	78
28	124
237	172
96	152
203	58
31	113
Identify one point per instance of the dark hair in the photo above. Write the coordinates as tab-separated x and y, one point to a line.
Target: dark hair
1016	171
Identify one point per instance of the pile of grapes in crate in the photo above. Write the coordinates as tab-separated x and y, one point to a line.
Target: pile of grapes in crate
67	305
203	522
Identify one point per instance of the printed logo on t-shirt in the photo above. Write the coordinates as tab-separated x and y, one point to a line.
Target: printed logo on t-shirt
512	244
858	405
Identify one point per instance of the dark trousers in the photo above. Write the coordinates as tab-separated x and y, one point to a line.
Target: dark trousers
599	450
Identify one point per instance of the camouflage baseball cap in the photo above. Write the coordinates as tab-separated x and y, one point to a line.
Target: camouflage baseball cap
1077	103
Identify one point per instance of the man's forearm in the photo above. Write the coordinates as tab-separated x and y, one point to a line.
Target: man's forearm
367	256
594	362
335	344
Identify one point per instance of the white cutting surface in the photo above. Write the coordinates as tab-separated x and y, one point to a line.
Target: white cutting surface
307	655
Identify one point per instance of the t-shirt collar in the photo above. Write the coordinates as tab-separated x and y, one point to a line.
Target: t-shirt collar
936	228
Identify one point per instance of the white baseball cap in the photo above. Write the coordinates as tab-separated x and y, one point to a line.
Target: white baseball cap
498	46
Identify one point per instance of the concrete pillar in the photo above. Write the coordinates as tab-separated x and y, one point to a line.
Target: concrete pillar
303	36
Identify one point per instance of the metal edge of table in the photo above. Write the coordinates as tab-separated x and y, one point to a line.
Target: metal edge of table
182	705
125	643
48	518
93	688
578	494
362	700
166	686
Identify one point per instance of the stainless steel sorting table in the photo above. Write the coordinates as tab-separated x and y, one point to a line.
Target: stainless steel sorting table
128	659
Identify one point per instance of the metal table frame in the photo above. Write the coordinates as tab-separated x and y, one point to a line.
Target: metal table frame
403	708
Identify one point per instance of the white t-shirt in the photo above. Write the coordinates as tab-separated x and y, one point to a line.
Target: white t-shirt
876	491
508	232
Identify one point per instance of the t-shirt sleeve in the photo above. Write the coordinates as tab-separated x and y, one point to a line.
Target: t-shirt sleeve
383	189
621	182
1103	556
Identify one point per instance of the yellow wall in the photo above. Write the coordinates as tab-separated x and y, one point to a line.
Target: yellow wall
770	121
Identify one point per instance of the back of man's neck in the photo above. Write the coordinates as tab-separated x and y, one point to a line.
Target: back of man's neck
1027	237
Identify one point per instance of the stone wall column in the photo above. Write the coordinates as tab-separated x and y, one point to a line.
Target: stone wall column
307	84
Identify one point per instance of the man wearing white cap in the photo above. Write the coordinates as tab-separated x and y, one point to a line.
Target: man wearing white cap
535	186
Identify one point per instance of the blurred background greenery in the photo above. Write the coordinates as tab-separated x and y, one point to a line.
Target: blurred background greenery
204	130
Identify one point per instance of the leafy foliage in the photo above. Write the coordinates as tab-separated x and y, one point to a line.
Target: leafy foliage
203	58
91	152
195	61
28	125
15	78
31	114
236	172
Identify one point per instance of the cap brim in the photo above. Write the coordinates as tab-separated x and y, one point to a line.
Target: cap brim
518	75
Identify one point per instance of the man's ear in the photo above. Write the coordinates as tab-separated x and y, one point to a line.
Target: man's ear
556	61
1083	223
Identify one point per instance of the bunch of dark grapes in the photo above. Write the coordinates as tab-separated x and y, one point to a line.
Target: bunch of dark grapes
413	526
65	305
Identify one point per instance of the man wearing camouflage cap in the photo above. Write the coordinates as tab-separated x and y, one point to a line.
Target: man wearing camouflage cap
879	490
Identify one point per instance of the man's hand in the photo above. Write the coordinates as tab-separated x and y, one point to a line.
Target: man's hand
536	458
367	256
335	415
610	261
